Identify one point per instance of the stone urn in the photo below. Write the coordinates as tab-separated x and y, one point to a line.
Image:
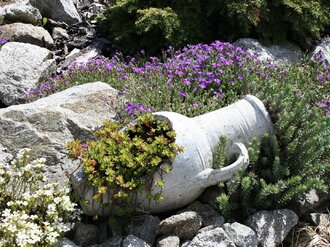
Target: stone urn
192	169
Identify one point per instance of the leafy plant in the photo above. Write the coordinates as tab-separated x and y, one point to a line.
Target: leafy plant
121	162
32	214
284	167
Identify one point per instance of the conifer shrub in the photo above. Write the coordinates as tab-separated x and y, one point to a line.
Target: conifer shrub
153	25
283	167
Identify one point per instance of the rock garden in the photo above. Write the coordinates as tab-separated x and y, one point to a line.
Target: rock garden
128	123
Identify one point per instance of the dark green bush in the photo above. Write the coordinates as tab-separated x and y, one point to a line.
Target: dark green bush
284	167
153	25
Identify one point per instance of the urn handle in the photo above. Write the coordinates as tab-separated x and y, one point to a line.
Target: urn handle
209	176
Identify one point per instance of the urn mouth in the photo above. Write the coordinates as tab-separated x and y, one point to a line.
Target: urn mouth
259	105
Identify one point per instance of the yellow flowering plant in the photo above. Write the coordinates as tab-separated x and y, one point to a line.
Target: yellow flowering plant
119	162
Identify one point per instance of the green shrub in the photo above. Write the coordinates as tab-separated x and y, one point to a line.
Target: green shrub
153	25
284	167
119	163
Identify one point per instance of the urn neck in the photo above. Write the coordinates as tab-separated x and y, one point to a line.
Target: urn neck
238	122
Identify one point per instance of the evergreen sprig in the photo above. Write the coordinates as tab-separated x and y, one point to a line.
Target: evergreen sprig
283	167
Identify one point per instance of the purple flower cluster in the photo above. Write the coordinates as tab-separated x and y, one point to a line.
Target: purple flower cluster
3	41
193	75
133	109
325	106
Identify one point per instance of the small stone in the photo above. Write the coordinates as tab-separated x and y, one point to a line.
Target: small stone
147	230
209	237
64	242
184	225
272	227
115	241
132	241
59	33
168	241
319	219
86	235
209	215
241	235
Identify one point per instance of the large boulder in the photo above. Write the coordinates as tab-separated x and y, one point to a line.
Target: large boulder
27	33
22	66
20	12
48	123
58	10
322	51
278	53
272	227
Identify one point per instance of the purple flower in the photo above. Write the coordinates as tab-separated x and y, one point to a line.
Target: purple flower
3	41
138	70
132	109
186	81
320	78
239	76
183	94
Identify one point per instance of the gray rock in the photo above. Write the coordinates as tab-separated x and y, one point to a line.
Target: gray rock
272	227
27	33
185	243
132	241
84	55
278	53
59	32
111	242
21	12
48	123
168	241
4	156
104	231
184	225
319	219
58	10
147	230
64	242
209	215
22	66
216	237
311	201
323	50
86	235
241	235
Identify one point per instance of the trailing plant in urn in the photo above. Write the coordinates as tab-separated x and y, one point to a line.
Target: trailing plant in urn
122	161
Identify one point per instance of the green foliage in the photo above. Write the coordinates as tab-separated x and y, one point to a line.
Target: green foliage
285	166
120	162
219	157
44	21
136	25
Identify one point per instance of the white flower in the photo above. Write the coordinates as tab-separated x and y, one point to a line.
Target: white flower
19	225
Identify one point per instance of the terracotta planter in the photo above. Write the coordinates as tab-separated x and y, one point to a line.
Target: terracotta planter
192	170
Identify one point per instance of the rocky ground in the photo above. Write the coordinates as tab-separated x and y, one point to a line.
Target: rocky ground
39	47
